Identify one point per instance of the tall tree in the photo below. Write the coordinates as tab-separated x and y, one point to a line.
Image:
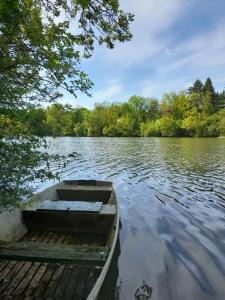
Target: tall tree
152	108
221	99
197	87
137	112
208	86
210	95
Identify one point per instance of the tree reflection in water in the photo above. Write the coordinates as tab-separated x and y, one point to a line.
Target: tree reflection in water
144	292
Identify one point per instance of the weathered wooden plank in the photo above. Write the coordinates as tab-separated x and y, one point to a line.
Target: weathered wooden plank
51	237
10	273
4	273
41	280
69	221
87	185
48	237
3	264
91	279
35	280
33	236
54	281
40	290
72	282
108	209
80	284
61	288
23	285
60	238
17	279
30	251
91	195
79	206
31	280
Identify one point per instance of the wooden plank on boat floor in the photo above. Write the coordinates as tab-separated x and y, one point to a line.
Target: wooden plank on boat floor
45	280
70	221
61	288
12	269
80	285
54	281
30	251
90	195
35	280
62	205
3	264
17	279
5	272
72	282
92	277
26	279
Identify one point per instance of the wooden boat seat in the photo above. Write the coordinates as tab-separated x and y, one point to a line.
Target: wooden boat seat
76	206
84	194
42	252
69	220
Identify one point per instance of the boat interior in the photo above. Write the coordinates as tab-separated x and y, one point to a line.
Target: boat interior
67	237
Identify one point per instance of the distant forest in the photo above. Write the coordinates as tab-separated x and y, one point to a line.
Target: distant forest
199	111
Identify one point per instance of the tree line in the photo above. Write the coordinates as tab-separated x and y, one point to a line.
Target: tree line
199	111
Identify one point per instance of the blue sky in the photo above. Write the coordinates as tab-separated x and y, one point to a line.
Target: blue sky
174	43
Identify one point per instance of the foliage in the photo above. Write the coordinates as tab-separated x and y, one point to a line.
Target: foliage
41	47
168	126
22	160
124	126
222	122
183	114
150	129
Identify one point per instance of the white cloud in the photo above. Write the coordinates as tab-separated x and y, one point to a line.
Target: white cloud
149	88
113	89
203	51
152	18
197	57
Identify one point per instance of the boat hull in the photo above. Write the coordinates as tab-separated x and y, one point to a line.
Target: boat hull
13	228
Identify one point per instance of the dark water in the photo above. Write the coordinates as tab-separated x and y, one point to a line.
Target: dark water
172	204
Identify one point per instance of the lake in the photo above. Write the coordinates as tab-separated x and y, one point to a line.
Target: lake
171	193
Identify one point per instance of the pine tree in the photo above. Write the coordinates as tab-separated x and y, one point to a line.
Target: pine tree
221	100
209	93
196	88
208	86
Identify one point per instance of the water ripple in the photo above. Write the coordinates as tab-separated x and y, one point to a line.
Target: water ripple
172	203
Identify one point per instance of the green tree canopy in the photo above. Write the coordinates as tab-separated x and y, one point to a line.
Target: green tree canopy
41	47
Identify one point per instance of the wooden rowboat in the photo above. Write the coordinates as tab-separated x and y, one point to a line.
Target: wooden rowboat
61	244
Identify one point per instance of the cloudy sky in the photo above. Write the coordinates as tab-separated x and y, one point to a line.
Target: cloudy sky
174	43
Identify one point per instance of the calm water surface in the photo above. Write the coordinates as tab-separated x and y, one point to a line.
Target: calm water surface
172	203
